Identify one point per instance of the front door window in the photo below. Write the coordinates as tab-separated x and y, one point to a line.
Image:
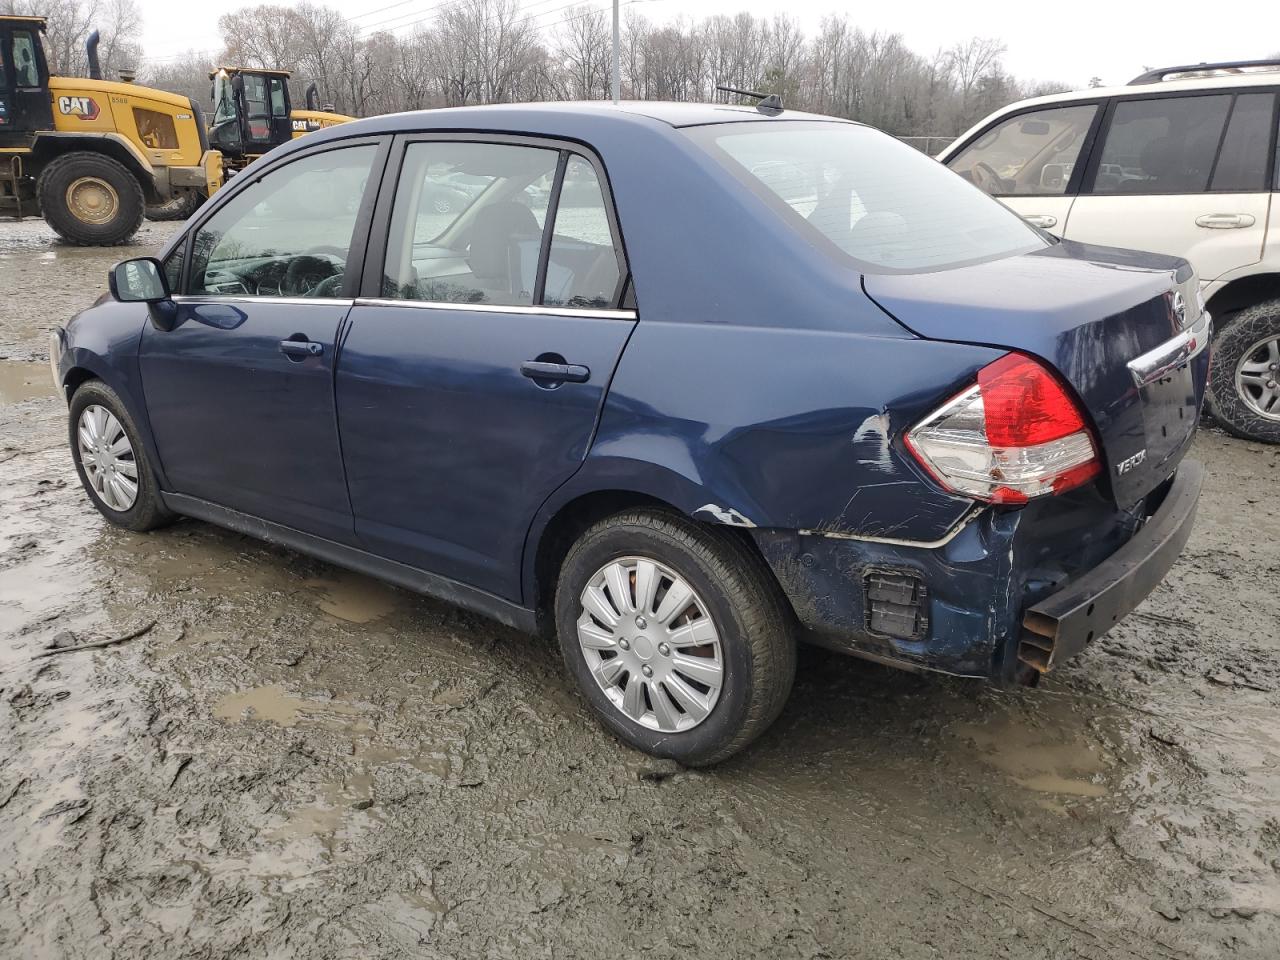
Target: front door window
1031	154
287	235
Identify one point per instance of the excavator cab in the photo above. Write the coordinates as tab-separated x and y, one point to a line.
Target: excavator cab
25	105
251	111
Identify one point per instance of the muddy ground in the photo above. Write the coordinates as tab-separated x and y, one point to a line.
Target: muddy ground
299	762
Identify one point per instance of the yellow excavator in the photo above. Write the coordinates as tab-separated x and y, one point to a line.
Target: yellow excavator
252	113
90	154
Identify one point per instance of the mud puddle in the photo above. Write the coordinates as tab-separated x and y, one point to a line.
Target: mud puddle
21	381
300	762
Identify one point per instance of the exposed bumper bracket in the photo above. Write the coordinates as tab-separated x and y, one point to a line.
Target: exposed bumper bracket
1061	625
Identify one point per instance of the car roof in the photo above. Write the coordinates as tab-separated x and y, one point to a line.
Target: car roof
1222	81
593	122
669	113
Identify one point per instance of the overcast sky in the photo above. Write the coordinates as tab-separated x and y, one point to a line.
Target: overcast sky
1046	39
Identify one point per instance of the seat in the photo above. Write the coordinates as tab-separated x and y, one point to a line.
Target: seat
495	255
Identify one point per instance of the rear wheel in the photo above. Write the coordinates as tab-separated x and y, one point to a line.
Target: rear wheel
678	637
91	199
1244	385
179	208
112	461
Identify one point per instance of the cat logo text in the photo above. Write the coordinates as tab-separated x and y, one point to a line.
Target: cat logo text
83	107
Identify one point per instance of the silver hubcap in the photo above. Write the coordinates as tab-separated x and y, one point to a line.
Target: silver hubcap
107	457
651	644
1258	378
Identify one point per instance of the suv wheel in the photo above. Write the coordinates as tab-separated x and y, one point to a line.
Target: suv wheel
677	635
111	460
1244	384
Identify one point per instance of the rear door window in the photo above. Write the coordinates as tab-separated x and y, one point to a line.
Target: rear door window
1242	161
1031	154
1164	145
468	221
582	269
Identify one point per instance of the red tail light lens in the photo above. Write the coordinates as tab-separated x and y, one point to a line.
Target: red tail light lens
1014	435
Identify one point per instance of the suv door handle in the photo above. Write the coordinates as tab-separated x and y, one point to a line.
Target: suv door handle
301	349
1042	220
558	372
1225	221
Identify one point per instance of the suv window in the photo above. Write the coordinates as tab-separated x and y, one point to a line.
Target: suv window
1163	145
467	224
1031	154
1242	161
582	270
287	234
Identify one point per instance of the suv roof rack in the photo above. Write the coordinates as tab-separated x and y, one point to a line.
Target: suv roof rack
1155	76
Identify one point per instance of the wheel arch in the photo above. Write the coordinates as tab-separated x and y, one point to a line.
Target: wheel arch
50	146
599	491
82	364
1242	293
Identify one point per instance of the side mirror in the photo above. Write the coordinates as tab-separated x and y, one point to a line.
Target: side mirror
143	281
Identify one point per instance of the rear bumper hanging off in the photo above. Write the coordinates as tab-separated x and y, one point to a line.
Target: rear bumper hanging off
1064	623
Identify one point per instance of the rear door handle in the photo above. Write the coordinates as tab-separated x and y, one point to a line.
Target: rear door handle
1042	220
301	349
1225	221
559	372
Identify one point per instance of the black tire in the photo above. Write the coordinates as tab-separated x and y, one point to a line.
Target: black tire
755	624
148	510
179	208
1241	336
58	177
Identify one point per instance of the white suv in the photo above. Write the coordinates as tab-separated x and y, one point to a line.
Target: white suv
1180	161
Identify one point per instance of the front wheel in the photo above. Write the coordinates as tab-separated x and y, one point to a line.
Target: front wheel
91	199
1244	384
677	635
111	460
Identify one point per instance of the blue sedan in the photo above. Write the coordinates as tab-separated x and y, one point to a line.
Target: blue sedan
683	384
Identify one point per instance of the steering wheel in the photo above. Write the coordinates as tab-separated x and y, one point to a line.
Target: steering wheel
305	273
987	178
328	287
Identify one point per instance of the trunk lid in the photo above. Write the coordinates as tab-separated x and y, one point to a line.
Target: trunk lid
1087	312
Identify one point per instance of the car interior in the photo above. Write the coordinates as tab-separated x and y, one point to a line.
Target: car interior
292	240
489	252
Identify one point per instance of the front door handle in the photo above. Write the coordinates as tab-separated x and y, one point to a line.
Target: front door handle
301	349
1042	220
1225	221
555	372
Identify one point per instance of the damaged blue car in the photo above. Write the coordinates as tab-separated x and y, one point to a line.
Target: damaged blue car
683	384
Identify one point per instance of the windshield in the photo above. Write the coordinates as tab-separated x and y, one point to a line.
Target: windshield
888	206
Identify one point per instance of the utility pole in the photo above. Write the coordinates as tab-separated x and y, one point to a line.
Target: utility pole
617	57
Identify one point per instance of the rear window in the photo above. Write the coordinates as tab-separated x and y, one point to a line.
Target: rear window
888	206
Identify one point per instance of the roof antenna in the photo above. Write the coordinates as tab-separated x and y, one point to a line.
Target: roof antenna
768	102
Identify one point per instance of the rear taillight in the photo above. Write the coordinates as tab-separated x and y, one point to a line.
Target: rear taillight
1014	435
